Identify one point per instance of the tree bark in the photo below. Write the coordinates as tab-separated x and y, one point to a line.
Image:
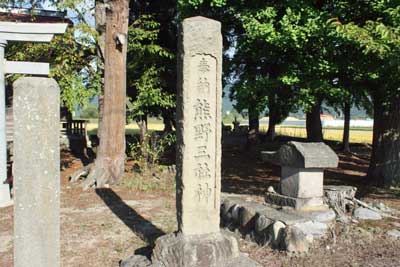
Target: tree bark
271	129
142	123
272	118
384	169
346	128
254	125
100	24
313	123
168	121
110	162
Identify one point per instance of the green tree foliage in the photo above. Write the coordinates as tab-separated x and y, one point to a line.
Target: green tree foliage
371	29
89	112
145	69
318	51
71	57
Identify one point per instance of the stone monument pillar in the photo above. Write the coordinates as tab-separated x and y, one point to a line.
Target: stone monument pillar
36	172
199	126
199	241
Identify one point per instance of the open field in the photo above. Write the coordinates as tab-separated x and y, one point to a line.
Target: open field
362	135
356	136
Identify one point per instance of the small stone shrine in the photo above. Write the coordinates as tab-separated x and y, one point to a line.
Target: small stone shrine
294	216
302	174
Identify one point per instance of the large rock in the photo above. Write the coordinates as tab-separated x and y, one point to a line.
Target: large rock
313	228
295	240
136	261
394	233
278	229
261	223
213	250
366	214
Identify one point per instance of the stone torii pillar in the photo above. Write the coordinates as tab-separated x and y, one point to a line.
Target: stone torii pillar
28	32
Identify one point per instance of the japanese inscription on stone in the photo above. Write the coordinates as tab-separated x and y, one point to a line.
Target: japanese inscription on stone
199	126
203	74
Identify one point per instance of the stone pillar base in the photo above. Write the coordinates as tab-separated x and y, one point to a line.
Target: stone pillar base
303	204
209	250
213	250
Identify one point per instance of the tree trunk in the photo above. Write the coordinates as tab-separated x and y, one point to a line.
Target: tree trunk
272	118
168	121
313	123
254	125
110	161
384	166
346	129
271	129
100	19
143	140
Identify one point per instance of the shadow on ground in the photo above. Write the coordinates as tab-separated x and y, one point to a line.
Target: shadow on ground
243	172
143	228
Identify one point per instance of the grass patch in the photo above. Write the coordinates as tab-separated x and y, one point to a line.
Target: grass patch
154	179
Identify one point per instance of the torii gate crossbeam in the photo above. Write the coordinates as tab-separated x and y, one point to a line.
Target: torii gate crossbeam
28	32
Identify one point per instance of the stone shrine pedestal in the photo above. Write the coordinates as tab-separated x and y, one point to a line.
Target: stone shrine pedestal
302	174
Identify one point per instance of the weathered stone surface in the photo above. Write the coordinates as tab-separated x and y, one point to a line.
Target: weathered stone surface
247	217
262	223
235	214
270	157
381	206
199	126
195	250
366	214
316	229
199	241
241	261
324	216
136	261
278	229
307	204
36	172
269	223
302	183
394	233
307	155
295	240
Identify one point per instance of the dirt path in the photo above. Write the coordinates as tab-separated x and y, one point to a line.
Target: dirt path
98	228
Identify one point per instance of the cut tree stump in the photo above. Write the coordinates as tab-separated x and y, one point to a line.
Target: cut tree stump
339	198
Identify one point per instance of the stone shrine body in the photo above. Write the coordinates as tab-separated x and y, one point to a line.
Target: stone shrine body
302	174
